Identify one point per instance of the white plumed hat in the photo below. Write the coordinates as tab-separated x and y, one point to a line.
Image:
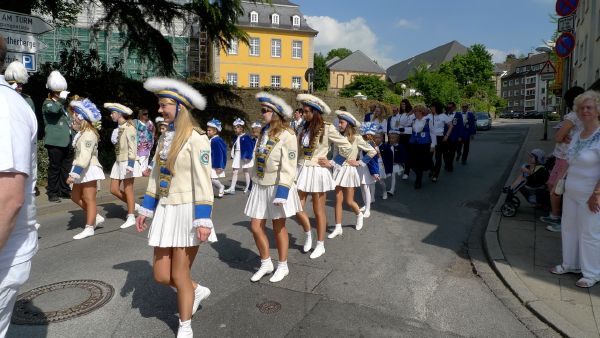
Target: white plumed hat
119	108
16	72
346	116
176	90
86	110
275	103
56	82
314	102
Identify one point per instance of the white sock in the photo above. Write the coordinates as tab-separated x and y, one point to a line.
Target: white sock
234	177
218	184
393	185
338	226
247	177
265	261
366	191
308	234
372	191
282	265
130	215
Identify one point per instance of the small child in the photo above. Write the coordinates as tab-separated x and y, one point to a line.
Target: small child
399	152
368	174
533	175
385	162
218	154
162	125
256	128
242	154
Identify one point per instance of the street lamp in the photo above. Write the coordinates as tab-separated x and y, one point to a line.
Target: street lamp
360	96
403	87
547	50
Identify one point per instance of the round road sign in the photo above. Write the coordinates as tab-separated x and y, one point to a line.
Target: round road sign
565	44
566	7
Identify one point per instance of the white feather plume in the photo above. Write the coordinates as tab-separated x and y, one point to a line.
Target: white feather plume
314	100
156	84
56	82
287	110
16	72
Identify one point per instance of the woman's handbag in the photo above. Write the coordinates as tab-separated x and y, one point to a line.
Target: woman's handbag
559	188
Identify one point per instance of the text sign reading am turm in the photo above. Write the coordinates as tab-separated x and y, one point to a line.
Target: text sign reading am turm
17	22
566	7
565	44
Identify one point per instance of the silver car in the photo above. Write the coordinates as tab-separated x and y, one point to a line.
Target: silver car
484	121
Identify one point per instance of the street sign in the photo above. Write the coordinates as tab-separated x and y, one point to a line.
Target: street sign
18	22
547	77
566	24
548	71
566	7
23	42
309	75
565	44
27	59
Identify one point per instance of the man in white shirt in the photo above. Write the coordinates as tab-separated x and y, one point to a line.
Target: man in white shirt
297	122
18	173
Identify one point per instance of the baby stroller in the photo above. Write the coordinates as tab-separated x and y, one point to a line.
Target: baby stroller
533	188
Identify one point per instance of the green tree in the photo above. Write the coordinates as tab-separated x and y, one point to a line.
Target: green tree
138	19
321	81
369	85
475	66
339	52
435	86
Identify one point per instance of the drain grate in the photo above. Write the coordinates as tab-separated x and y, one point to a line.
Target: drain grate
269	307
60	301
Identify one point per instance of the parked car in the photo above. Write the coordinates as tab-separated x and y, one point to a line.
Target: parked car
484	121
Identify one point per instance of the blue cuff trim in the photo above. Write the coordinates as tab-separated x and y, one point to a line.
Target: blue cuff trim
202	211
282	192
339	159
77	169
366	158
149	202
130	163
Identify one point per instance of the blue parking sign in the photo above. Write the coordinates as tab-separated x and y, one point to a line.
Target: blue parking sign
29	62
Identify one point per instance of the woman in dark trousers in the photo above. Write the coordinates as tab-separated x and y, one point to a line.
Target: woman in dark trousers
404	126
452	135
422	143
441	121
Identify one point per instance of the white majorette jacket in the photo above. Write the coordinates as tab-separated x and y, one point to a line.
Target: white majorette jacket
310	152
358	144
190	182
126	146
276	157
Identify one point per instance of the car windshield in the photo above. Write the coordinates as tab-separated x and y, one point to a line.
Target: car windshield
482	116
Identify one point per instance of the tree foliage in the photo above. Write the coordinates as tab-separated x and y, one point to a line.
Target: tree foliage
339	52
474	67
141	21
321	81
435	86
369	85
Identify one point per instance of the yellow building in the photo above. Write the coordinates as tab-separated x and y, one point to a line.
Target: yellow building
343	71
279	52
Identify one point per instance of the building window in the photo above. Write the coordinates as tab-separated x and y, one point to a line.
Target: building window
253	17
529	103
296	49
233	47
532	92
504	94
522	91
296	21
511	82
276	48
510	103
254	80
296	82
232	79
254	47
505	83
517	81
275	81
275	19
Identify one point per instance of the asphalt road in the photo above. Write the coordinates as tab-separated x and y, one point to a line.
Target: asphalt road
407	273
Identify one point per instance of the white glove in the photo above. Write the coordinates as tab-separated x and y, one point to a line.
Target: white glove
114	136
203	222
63	94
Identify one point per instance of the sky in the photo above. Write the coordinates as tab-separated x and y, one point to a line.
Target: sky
390	31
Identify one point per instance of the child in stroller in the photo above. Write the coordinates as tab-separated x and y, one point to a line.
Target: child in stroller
531	183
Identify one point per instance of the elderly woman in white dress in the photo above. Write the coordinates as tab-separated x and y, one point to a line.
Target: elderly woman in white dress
581	199
273	195
314	176
179	196
346	176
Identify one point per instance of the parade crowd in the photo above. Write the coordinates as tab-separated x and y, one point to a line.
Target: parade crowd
287	157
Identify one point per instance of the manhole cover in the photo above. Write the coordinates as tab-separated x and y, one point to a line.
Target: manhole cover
60	301
269	307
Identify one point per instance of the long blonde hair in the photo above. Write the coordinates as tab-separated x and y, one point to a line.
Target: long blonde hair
85	126
184	125
350	132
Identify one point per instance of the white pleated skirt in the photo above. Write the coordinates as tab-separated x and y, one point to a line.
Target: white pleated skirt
237	162
141	163
213	174
119	171
314	179
172	227
92	173
260	203
346	176
365	176
382	173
